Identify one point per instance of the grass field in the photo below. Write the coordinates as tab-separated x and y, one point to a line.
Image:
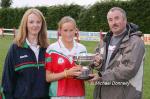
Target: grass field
6	41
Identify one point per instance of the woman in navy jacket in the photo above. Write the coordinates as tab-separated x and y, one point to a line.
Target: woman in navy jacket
24	73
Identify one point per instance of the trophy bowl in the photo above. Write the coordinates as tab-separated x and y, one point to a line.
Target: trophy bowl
84	59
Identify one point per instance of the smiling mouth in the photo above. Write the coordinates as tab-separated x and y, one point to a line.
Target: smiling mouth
35	29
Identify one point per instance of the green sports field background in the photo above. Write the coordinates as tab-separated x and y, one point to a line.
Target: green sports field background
6	41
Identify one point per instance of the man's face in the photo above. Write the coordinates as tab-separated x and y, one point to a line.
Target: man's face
117	23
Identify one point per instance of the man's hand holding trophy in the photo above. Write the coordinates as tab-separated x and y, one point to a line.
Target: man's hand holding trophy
96	64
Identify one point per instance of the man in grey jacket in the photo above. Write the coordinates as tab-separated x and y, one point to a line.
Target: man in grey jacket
119	60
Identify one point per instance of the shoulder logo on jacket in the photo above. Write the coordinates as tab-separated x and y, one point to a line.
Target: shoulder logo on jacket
24	56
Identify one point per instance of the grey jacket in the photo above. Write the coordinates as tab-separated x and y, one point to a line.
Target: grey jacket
123	77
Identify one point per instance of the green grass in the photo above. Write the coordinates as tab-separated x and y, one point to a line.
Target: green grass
6	41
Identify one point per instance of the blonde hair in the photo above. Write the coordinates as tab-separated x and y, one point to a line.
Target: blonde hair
23	32
66	19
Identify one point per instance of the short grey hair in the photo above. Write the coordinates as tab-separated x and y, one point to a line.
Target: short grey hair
119	9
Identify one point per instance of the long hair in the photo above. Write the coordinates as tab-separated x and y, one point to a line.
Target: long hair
23	32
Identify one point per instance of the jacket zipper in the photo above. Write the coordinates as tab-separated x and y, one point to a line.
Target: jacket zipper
35	58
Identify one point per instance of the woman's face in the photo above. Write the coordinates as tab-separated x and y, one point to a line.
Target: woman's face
68	31
34	24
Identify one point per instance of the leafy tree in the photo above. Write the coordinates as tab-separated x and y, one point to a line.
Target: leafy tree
6	3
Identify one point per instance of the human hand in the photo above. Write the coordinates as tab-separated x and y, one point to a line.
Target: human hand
97	59
95	77
74	71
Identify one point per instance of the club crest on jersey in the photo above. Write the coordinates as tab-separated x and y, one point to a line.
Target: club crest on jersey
60	60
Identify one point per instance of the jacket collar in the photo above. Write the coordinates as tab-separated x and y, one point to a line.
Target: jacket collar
132	29
25	45
63	46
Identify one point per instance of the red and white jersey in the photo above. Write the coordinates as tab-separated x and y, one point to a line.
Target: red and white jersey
59	58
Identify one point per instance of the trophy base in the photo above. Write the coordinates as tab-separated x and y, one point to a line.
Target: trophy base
84	78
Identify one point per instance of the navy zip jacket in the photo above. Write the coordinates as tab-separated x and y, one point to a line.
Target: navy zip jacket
24	77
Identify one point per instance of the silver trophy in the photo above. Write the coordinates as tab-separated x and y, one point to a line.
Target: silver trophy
84	59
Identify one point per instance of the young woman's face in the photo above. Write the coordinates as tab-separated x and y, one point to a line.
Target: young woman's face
68	31
34	24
